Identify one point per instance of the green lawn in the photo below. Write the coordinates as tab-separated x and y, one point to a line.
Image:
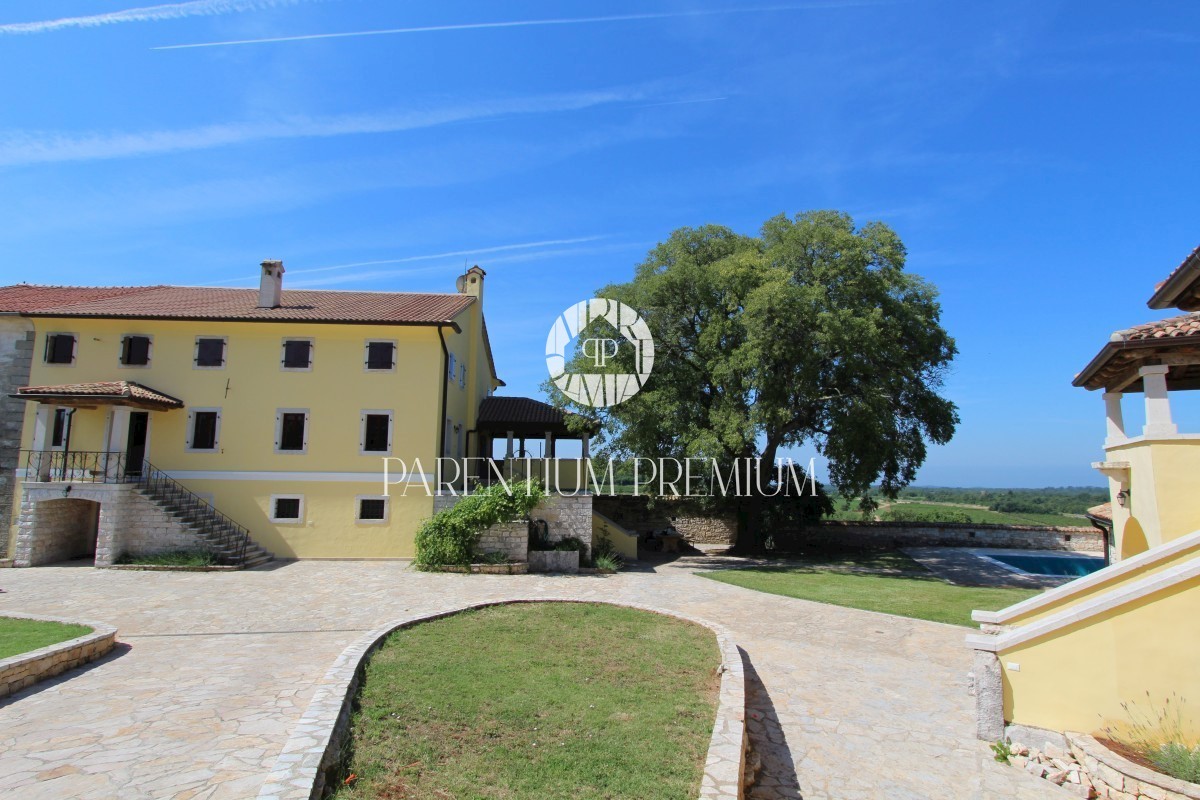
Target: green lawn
546	700
22	635
921	597
172	558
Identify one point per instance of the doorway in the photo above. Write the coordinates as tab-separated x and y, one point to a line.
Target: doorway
135	447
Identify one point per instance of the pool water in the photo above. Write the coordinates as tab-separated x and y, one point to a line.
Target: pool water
1073	566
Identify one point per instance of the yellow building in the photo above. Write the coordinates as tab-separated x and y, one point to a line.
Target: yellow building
1066	660
165	412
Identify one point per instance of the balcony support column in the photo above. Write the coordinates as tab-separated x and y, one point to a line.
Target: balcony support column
43	440
1158	404
1115	419
586	453
118	439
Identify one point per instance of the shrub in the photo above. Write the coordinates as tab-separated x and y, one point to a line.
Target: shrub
449	537
1157	734
922	515
570	543
607	561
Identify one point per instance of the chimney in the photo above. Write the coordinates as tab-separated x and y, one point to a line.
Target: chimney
270	286
471	282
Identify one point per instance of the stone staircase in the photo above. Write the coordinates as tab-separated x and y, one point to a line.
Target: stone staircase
220	535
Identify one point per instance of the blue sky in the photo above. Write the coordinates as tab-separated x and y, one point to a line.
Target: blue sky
1039	159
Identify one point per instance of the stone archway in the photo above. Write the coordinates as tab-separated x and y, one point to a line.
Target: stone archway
64	529
59	521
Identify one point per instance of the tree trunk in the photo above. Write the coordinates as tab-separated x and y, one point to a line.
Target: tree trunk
752	536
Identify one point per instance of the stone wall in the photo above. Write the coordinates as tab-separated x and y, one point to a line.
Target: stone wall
509	538
1086	768
565	517
636	514
129	523
25	669
953	534
16	356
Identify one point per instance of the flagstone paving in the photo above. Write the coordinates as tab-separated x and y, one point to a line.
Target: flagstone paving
215	668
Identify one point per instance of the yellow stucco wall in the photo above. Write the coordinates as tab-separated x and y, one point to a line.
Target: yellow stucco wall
1077	677
245	471
1164	503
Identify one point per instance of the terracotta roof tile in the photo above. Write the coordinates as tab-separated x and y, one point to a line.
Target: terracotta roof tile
25	297
1185	325
207	303
102	389
1102	511
1180	288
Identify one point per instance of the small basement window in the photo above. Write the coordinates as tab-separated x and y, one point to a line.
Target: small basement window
60	348
297	354
372	509
287	508
135	351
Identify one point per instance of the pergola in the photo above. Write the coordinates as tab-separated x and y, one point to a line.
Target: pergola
519	419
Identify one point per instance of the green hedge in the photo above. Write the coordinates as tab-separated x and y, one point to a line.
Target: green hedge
449	537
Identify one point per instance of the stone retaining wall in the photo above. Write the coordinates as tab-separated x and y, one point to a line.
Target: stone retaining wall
955	534
312	754
25	669
509	538
1086	768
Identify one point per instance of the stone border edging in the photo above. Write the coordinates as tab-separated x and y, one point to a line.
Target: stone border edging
168	568
25	669
316	742
1122	775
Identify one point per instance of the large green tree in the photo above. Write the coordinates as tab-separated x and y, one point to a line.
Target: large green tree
811	333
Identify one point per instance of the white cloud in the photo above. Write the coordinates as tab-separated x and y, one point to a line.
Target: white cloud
19	148
167	11
530	23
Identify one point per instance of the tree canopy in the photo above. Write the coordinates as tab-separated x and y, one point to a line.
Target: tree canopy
810	333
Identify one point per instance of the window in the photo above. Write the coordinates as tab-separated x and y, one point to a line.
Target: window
203	426
58	433
376	434
287	508
210	352
60	348
291	430
372	509
297	354
381	356
135	351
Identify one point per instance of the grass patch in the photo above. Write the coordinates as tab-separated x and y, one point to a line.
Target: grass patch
564	701
919	597
22	635
847	511
172	558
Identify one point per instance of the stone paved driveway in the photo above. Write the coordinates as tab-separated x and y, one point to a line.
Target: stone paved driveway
216	667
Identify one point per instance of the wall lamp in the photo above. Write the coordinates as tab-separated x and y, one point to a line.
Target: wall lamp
1123	498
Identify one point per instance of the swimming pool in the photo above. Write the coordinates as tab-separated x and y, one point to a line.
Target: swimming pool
1072	566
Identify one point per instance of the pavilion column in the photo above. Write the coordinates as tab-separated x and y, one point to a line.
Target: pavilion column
43	439
1115	419
508	453
118	438
548	450
1158	405
586	449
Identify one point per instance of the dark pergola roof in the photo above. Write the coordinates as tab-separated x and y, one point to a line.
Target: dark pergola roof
526	417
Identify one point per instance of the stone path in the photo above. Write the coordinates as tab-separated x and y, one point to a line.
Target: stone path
216	667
